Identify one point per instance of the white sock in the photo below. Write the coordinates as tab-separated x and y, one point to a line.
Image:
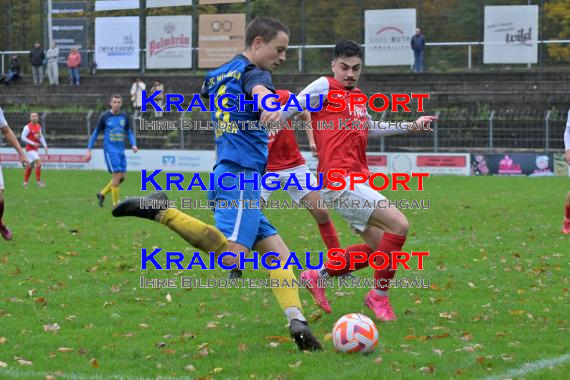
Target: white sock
382	293
293	312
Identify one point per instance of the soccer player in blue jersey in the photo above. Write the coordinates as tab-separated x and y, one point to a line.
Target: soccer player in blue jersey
115	126
240	151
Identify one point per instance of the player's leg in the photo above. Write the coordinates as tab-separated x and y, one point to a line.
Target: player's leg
115	183
4	231
28	170
287	296
38	165
566	222
236	272
107	188
199	234
119	165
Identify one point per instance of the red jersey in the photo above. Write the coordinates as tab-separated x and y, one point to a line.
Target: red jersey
34	133
340	147
283	149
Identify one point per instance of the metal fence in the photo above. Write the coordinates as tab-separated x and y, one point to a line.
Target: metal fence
455	131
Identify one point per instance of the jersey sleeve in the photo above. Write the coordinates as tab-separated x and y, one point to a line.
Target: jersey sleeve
256	77
99	128
25	133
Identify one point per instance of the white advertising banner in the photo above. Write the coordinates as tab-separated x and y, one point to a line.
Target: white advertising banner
167	3
170	160
117	42
169	42
433	163
113	5
387	35
511	34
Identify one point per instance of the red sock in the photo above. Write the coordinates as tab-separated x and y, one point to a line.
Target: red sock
328	234
38	173
389	243
27	174
353	248
567	212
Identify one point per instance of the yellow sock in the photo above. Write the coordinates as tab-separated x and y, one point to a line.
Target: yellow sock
199	234
287	296
115	194
107	188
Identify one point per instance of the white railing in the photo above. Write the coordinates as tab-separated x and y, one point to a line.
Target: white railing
301	48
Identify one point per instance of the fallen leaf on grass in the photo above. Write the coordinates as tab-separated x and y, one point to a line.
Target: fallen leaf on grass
378	360
143	325
428	370
168	297
3	365
436	351
295	365
190	368
410	337
448	315
466	336
205	352
212	325
278	338
23	362
64	349
328	337
54	327
31	292
160	344
273	345
94	363
242	347
217	370
3	340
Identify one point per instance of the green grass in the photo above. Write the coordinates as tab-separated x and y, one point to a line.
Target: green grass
498	268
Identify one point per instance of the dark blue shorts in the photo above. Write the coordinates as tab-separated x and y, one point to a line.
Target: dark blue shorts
243	225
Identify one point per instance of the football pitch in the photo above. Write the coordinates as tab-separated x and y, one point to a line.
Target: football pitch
71	305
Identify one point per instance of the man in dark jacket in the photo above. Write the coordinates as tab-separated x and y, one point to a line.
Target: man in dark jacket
13	71
37	57
418	44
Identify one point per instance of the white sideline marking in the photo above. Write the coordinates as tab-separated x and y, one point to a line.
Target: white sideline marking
528	368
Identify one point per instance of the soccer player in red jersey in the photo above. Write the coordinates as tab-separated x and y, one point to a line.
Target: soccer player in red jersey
343	147
566	222
9	136
32	137
284	159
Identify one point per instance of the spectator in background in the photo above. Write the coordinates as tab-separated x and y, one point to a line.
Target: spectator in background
159	98
136	96
37	57
52	64
13	70
418	44
73	64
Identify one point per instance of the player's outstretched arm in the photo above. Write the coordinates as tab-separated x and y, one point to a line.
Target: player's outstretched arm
13	140
313	92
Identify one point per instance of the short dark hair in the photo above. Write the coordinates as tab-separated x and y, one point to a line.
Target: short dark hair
347	48
116	96
264	27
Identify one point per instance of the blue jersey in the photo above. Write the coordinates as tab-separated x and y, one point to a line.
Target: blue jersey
236	142
115	128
